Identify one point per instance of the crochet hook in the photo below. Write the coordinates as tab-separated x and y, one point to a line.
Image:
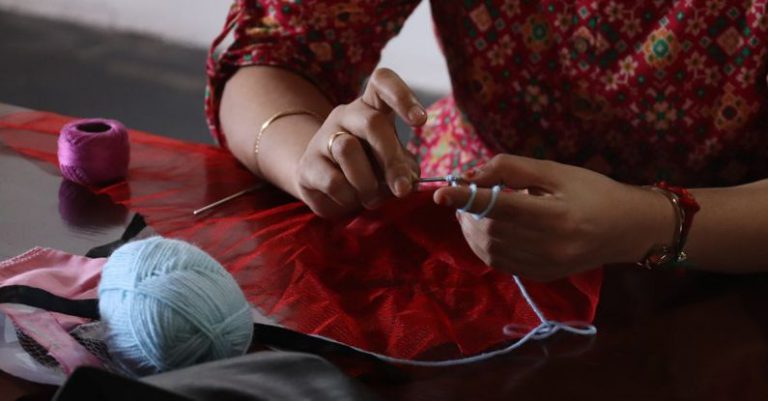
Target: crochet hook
226	199
451	179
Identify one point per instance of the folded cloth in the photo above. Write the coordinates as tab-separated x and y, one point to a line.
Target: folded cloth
262	376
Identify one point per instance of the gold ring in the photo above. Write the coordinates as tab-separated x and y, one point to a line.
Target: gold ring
330	144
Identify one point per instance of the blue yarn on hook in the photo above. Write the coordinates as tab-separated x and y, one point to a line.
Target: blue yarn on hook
166	304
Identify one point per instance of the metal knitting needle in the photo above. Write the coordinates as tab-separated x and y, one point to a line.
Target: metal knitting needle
227	199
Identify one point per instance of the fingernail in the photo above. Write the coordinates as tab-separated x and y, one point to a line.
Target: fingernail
470	173
417	114
402	186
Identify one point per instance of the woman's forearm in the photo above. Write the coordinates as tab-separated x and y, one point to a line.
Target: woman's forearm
252	96
350	160
730	232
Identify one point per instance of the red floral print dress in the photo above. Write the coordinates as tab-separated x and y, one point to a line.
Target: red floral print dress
640	91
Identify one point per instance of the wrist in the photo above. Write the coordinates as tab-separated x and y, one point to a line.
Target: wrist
652	220
684	206
281	151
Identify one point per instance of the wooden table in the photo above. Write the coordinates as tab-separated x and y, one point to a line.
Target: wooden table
662	335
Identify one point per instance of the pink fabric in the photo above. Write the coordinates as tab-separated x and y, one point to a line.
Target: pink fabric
69	276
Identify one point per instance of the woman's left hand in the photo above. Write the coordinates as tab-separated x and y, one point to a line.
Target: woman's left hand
554	220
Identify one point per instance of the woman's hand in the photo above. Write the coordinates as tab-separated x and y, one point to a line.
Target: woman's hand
555	220
338	179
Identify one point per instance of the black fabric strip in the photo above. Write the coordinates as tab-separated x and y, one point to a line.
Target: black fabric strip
285	339
288	339
134	228
31	296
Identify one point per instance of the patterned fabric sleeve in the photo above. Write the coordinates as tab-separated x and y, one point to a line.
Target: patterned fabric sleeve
334	44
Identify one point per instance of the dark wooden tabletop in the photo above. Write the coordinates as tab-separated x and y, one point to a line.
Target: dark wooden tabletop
662	334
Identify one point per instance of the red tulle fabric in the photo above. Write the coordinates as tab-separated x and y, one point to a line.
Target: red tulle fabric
400	281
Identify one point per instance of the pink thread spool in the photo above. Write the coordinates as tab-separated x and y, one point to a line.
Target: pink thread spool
93	151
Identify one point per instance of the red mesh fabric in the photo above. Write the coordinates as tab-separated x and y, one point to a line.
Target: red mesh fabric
399	281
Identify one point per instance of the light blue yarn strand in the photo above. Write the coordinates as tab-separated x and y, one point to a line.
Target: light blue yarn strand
495	190
471	200
494	197
167	304
546	329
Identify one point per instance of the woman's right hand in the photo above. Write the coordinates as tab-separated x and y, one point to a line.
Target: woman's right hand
367	162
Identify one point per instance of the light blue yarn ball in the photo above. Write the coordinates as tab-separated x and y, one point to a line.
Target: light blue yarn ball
166	304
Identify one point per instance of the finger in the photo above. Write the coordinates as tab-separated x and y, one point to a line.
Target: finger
414	163
509	205
509	251
328	179
323	206
474	236
516	172
378	131
515	236
386	91
354	163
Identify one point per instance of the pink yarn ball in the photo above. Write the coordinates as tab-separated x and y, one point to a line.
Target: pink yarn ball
94	151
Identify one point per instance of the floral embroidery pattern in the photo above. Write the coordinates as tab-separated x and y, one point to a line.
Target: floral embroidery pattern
661	48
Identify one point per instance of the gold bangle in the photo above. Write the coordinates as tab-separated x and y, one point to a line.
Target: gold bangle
276	117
